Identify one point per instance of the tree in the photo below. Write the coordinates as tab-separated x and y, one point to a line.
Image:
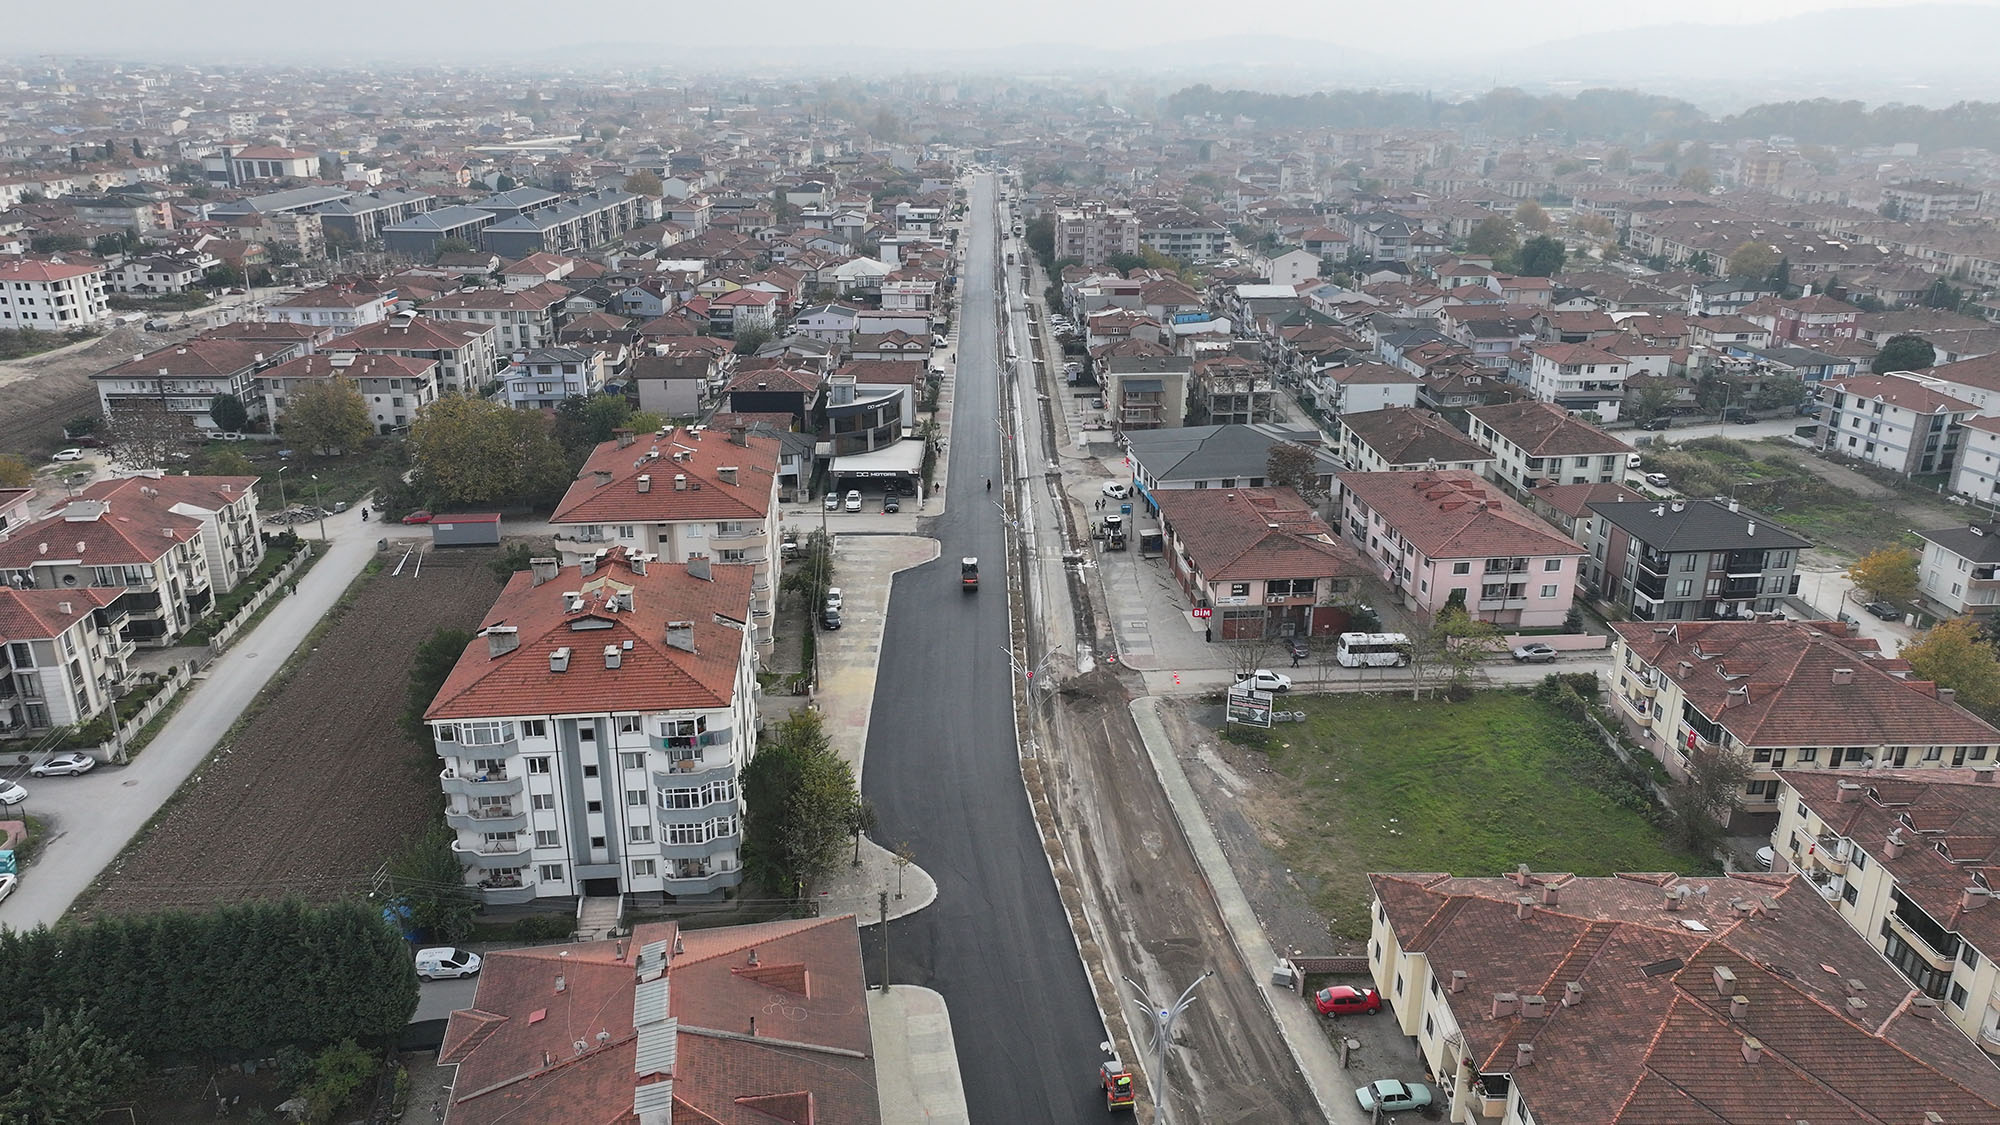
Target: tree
338	1073
15	473
1494	237
1289	463
583	422
1889	574
1040	235
1530	216
1952	655
428	880
1697	178
226	462
1702	801
1904	351
1653	400
801	799
450	246
228	413
472	451
429	669
1751	260
143	432
1942	294
1540	256
812	573
222	277
748	340
328	417
645	182
62	1070
1450	649
505	182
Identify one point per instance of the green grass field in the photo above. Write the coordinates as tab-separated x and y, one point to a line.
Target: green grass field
1381	783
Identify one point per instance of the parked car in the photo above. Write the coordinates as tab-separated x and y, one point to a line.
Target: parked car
71	454
443	962
853	503
1535	653
63	764
833	501
419	516
1117	489
829	618
7	885
1658	480
1766	858
833	597
1345	1000
1393	1096
790	547
1660	423
1298	648
891	505
1884	610
11	793
1263	679
939	342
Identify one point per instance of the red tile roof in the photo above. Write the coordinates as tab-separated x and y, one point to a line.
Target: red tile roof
786	1039
1455	515
201	357
31	270
1244	534
414	334
533	298
1778	684
651	676
28	615
1543	429
351	365
607	487
1650	1038
129	531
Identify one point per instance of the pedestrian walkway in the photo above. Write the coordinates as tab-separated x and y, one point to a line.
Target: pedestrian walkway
916	1058
1297	1023
863	568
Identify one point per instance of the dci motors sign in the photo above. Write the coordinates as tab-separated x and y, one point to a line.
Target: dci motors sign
1249	707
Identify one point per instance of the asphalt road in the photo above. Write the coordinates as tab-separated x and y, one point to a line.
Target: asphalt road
944	778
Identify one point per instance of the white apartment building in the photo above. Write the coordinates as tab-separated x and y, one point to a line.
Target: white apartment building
1579	378
1094	233
51	296
1898	421
152	558
1959	572
541	379
65	657
393	387
341	307
1537	443
592	734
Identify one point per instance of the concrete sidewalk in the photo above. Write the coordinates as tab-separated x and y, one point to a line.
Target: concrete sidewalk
916	1059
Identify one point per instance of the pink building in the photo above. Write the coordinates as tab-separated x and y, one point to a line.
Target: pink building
1431	533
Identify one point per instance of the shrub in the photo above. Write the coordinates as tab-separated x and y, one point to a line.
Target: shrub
544	927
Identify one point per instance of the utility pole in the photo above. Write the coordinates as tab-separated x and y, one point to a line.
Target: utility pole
883	897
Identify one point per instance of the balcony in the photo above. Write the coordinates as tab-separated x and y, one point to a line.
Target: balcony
1650	587
487	857
487	818
704	884
1740	589
1642	684
722	737
742	537
1989	1040
1831	852
479	785
506	896
695	771
1919	945
720	844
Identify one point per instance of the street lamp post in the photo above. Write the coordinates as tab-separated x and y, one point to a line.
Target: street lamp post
1163	1034
320	509
281	486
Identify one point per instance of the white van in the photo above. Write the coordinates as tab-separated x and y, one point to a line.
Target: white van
445	963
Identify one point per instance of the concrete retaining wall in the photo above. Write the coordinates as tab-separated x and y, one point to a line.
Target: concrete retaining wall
280	581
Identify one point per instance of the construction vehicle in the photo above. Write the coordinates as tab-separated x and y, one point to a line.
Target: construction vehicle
1114	532
1116	1082
968	574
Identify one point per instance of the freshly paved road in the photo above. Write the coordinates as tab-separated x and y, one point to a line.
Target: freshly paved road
943	777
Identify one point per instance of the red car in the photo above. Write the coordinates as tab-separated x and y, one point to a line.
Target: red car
1340	1000
418	516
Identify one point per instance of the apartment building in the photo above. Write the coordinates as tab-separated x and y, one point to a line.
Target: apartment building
183	379
1925	201
524	318
1437	536
52	295
541	378
419	235
1093	233
1653	999
1184	235
1803	694
563	225
1146	392
1959	573
1537	443
232	536
242	164
592	733
393	387
1407	439
1692	560
1260	558
687	493
463	350
1231	390
151	558
342	307
66	657
1906	858
162	273
1362	387
1897	421
362	218
1579	378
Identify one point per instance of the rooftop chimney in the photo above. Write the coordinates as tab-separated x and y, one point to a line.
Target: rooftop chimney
1505	1004
612	656
1974	897
1725	981
622	436
645	482
1520	875
739	434
1843	676
1923	1007
544	569
1850	792
559	660
1524	907
1524	1055
501	640
1572	994
1458	980
1739	1006
727	473
680	482
1893	846
698	567
1947	695
1548	896
1753	1049
600	477
1534	1007
680	635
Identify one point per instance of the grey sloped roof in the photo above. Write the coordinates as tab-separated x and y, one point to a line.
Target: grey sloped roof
444	218
1207	452
1979	543
372	201
290	199
1695	525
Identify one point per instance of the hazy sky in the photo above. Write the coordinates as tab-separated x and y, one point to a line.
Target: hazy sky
236	29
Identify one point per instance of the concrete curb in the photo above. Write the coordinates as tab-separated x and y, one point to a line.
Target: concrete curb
1296	1025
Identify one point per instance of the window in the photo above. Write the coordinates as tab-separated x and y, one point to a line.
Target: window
1548	591
1969	955
642	869
631	761
628	724
593	806
597	841
1958	996
550	872
635	797
1552	565
543	802
590	769
534	728
538	765
1808	753
1849	895
1860	860
445	732
1461	568
586	732
1239	589
545	837
1399	984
